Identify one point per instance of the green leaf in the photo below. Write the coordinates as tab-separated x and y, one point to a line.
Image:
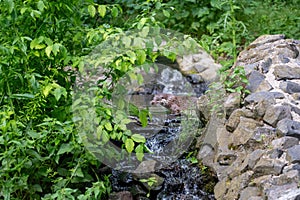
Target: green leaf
140	79
11	5
47	89
126	41
102	10
65	148
105	137
144	32
142	23
37	188
166	13
108	126
33	134
143	117
79	172
56	48
92	10
129	145
114	12
138	138
132	56
48	50
141	56
139	156
158	40
58	92
138	43
41	5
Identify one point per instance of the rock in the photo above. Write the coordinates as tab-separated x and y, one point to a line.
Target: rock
253	158
293	154
282	192
234	120
220	189
284	72
264	134
265	65
232	103
285	142
237	184
265	39
204	110
123	195
206	155
259	102
264	86
289	87
276	113
224	139
145	167
201	64
278	95
244	131
249	192
257	82
266	166
289	127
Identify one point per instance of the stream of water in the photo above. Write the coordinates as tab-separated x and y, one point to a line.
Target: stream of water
181	178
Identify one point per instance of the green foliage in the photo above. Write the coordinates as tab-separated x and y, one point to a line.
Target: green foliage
236	81
41	152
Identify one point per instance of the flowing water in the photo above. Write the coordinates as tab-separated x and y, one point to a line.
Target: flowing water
181	179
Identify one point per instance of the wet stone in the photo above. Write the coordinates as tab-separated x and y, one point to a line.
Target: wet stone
276	113
123	195
289	87
293	154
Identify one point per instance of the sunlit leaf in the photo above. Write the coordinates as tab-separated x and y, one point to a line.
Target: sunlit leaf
92	10
48	50
129	145
102	10
141	56
138	138
108	126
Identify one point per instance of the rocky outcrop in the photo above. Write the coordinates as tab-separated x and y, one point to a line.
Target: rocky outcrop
254	148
